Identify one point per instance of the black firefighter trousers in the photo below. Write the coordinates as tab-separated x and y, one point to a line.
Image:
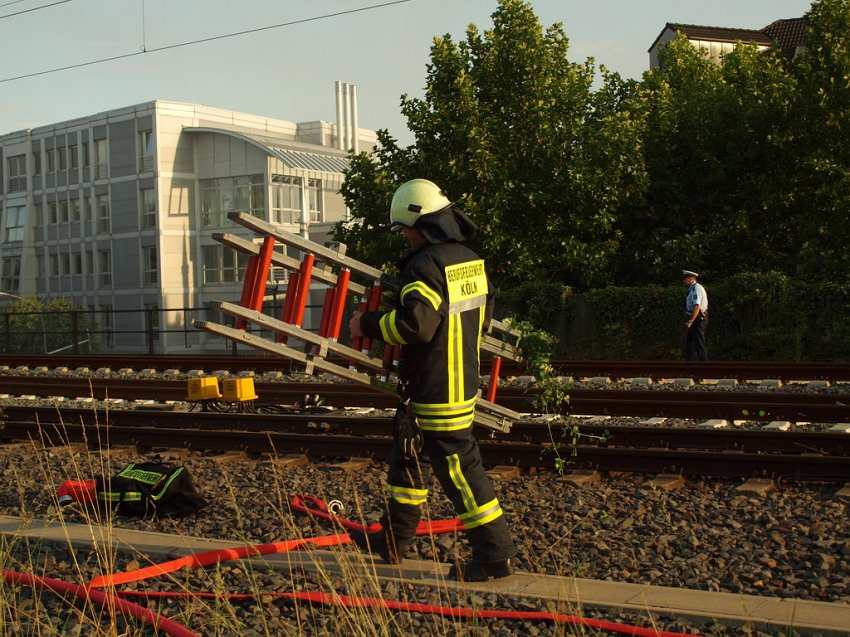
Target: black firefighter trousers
455	459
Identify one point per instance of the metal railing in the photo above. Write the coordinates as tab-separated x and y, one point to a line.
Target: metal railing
109	331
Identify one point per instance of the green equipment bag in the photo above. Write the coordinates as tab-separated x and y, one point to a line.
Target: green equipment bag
149	489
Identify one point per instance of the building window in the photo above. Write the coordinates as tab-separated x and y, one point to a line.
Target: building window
63	211
148	208
104	262
63	158
66	264
51	160
37	209
146	150
14	220
103	220
52	214
75	209
222	264
314	199
78	263
101	161
36	162
86	155
11	275
54	265
286	199
231	194
17	173
74	158
150	267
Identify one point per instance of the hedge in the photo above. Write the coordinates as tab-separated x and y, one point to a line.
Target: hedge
752	316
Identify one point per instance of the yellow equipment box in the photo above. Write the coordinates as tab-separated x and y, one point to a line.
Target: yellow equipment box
205	388
239	389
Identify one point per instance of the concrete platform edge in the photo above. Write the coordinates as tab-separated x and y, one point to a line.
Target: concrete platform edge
761	613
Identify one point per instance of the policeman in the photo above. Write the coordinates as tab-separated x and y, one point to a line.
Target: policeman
444	302
696	317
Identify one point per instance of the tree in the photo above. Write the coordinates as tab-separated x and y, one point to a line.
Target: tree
820	189
30	326
513	131
714	144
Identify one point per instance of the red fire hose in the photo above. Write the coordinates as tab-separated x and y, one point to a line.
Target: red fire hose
310	506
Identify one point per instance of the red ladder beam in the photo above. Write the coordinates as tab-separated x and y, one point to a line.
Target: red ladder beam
247	289
303	289
327	310
338	304
495	368
373	305
288	304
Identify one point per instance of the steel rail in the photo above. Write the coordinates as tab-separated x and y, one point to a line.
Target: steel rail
320	422
521	454
757	406
740	370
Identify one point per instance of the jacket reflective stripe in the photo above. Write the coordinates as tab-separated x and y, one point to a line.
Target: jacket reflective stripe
443	416
389	331
482	515
460	482
455	358
468	304
406	495
432	297
120	496
146	477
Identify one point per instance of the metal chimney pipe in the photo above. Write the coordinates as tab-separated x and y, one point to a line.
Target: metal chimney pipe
339	115
354	125
346	94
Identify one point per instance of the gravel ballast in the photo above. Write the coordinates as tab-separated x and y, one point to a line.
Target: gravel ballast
793	542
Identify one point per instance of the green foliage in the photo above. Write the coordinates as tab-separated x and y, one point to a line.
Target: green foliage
29	326
752	316
540	302
579	179
514	132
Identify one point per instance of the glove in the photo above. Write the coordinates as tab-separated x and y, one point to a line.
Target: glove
408	435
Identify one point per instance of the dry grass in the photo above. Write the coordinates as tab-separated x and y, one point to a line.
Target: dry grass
27	612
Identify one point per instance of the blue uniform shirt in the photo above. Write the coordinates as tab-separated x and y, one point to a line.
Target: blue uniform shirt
696	296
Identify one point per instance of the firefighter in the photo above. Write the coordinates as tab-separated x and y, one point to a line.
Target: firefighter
444	302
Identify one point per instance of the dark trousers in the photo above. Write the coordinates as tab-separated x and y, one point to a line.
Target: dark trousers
695	349
455	459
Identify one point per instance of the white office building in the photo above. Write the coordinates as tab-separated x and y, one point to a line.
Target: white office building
116	211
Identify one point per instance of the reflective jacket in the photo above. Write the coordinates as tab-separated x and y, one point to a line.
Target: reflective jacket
444	302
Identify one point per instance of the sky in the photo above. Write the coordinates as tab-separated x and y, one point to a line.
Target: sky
288	72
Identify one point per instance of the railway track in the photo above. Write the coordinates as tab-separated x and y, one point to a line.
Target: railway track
740	370
758	406
695	452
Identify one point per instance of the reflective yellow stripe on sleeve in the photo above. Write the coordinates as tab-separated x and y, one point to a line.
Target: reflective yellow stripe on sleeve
430	295
389	331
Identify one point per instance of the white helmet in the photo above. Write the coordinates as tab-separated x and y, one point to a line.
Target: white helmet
414	199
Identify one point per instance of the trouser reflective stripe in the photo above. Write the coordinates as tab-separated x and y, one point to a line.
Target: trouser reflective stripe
407	495
456	461
481	515
460	482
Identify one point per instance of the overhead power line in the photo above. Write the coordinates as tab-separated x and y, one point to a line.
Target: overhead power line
202	40
44	6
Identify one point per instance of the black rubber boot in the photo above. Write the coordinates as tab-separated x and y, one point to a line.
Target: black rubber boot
473	571
379	542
